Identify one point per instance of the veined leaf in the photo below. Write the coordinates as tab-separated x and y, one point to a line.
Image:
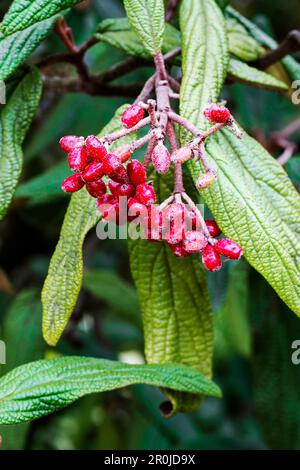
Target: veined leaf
241	43
232	325
15	120
64	278
204	56
252	200
42	387
147	18
222	3
243	73
118	33
174	299
291	65
276	379
24	26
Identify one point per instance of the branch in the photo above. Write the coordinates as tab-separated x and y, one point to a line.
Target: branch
171	8
289	45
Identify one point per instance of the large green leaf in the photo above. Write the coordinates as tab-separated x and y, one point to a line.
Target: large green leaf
290	64
42	387
24	26
204	56
148	20
252	199
241	43
64	278
15	119
243	73
276	380
118	33
175	304
24	315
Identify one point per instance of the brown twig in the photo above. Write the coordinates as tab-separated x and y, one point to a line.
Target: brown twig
178	177
171	9
289	45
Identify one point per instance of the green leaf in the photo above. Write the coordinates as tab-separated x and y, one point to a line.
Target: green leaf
147	18
222	3
252	200
42	387
64	278
276	380
243	73
24	315
232	326
44	188
291	65
293	169
204	56
174	299
24	26
15	120
118	33
112	289
241	43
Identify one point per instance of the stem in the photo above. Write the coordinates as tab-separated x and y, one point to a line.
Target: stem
65	34
200	217
178	178
141	142
174	83
122	133
289	45
185	123
147	89
149	151
160	66
171	8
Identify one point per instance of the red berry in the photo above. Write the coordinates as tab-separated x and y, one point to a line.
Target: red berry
161	158
77	159
124	152
194	241
136	209
175	234
217	113
191	220
228	248
113	186
69	142
106	199
136	172
132	115
173	223
113	168
125	189
211	259
213	228
93	172
96	188
145	194
95	149
179	251
154	222
72	184
174	212
108	206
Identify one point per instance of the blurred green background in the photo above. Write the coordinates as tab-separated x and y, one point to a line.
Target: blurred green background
254	329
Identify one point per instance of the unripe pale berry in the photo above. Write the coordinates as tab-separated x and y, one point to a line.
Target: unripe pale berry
175	233
228	248
181	155
145	194
211	259
125	189
93	172
132	115
96	188
73	183
124	152
77	159
191	219
69	142
179	251
206	180
194	242
95	149
136	172
217	114
213	228
113	168
161	158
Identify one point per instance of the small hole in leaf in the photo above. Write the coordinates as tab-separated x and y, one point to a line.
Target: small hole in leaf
166	408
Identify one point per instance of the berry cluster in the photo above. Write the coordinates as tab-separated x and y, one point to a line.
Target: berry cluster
177	221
